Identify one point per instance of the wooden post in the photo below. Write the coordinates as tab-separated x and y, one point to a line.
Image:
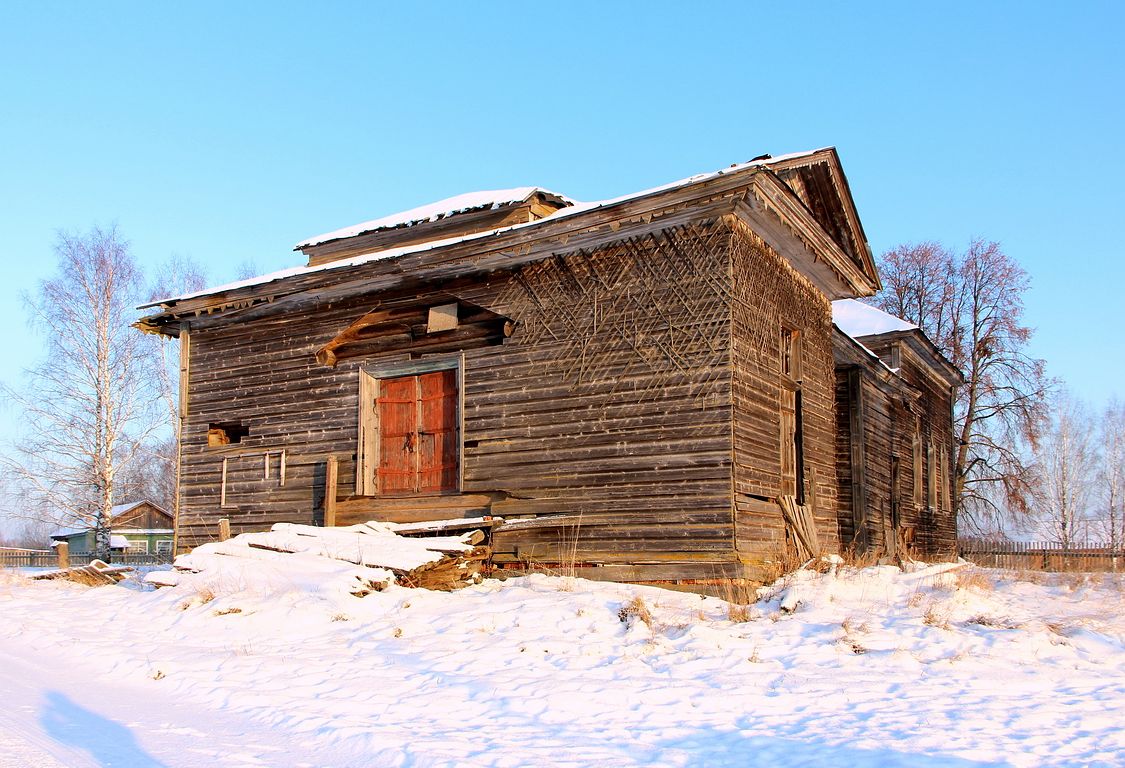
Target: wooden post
858	436
224	529
63	552
330	473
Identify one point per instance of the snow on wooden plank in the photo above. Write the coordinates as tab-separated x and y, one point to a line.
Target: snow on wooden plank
359	558
457	524
450	206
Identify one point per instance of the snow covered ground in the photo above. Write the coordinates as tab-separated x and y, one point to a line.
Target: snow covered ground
934	667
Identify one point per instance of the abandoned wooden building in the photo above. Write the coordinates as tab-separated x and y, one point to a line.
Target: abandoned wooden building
643	388
894	435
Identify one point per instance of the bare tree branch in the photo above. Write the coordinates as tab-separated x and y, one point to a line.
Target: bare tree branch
971	306
88	405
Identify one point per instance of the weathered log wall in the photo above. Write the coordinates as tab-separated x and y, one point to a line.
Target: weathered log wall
770	294
611	406
897	428
612	428
610	402
936	525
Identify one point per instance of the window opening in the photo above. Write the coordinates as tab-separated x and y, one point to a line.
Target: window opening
226	433
792	449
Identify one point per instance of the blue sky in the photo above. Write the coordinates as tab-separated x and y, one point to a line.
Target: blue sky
229	131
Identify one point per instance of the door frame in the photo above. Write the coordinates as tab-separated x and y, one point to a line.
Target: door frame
367	444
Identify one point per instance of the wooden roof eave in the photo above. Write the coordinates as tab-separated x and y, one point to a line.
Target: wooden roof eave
831	158
850	353
936	364
774	204
773	211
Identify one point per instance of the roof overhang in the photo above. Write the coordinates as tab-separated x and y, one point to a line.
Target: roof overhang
752	192
933	361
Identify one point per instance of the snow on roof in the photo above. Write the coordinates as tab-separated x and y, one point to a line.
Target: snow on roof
120	508
858	319
118	542
575	209
470	201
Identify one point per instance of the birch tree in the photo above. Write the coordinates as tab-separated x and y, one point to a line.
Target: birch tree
971	306
1066	465
1112	477
177	276
87	406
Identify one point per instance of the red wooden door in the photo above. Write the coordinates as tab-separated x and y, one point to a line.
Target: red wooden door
437	431
418	445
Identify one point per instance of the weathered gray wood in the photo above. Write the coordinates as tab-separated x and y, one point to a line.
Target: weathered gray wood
858	473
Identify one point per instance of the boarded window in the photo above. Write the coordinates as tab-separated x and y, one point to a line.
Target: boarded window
789	407
949	482
916	459
931	475
945	485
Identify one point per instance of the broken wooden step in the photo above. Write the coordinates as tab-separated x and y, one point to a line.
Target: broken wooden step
95	574
370	554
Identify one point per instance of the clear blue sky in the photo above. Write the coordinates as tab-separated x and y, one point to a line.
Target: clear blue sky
229	131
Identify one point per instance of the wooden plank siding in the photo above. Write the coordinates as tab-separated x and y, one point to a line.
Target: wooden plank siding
900	411
613	379
936	528
611	402
769	294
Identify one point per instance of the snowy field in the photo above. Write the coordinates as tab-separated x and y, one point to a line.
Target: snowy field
939	666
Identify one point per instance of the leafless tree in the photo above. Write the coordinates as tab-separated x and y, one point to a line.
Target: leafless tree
177	276
1065	470
151	476
27	533
971	306
1112	476
88	404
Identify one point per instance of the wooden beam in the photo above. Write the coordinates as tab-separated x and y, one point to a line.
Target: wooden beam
858	453
330	477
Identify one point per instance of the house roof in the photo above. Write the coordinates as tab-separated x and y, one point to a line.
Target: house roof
869	326
450	206
858	319
116	512
802	206
120	509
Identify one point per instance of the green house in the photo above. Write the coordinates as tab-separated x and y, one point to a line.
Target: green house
137	528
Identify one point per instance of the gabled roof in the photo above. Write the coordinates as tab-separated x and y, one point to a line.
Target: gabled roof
450	206
116	513
121	509
818	179
817	212
872	329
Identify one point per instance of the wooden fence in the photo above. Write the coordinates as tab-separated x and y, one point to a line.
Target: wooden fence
14	557
11	557
1041	556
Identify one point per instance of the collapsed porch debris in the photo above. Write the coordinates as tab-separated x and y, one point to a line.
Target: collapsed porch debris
369	556
97	573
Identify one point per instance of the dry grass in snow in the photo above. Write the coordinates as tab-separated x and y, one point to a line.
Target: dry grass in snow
945	665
